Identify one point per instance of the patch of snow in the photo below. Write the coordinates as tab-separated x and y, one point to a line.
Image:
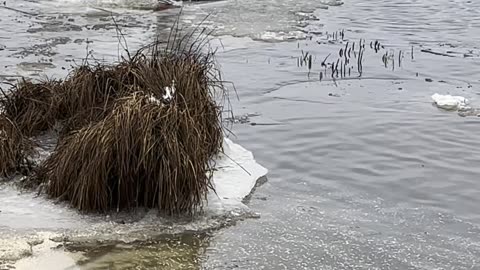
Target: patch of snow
281	36
169	91
154	100
45	255
13	249
171	2
332	3
236	176
449	102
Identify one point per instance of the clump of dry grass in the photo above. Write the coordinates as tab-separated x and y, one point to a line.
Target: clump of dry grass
198	88
134	147
124	143
14	147
144	153
32	106
89	92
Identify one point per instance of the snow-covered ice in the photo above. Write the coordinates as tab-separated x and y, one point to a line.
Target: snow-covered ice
235	177
449	102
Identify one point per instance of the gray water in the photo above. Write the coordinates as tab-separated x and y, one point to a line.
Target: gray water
364	172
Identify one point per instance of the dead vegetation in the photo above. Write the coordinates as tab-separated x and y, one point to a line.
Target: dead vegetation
14	148
32	106
141	132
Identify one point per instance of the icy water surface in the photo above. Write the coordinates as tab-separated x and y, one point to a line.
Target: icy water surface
364	173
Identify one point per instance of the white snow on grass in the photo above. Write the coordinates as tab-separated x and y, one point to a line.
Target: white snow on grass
169	92
171	2
153	100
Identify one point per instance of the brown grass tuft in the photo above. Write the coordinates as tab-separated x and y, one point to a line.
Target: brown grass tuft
32	106
144	153
89	92
123	143
14	147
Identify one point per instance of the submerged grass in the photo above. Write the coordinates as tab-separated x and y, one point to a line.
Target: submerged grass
141	132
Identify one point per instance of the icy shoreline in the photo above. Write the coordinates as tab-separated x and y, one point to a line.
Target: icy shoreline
234	179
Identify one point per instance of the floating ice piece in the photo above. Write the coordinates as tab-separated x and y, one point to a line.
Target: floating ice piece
448	102
235	177
281	36
332	3
166	4
171	2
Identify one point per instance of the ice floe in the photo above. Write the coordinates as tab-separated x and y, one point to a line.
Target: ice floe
449	102
235	177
